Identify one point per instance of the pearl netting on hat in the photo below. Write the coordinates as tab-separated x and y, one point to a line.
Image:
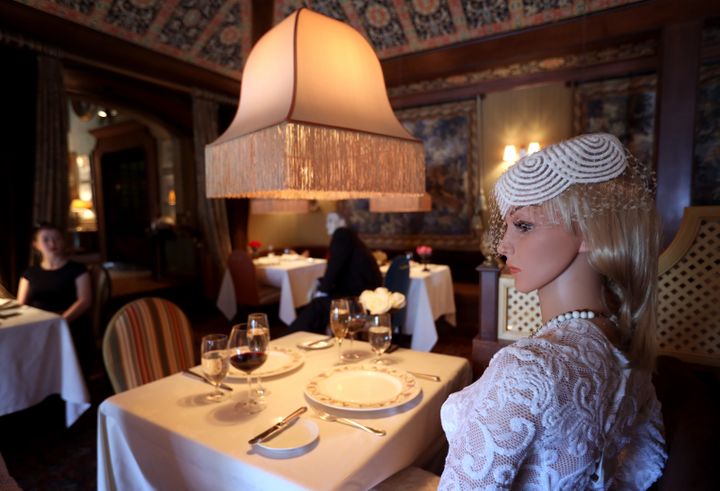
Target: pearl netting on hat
595	170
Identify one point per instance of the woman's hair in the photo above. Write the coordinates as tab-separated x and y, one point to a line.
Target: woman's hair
620	226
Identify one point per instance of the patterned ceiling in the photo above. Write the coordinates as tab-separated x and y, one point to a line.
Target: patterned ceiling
216	34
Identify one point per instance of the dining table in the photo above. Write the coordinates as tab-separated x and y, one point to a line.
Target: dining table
295	275
38	359
430	296
166	435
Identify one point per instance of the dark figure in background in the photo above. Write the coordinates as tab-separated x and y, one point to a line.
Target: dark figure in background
60	285
351	269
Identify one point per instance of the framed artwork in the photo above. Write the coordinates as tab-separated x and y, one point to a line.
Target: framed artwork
706	164
448	133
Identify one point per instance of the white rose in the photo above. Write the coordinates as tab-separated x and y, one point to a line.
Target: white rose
397	300
381	290
377	304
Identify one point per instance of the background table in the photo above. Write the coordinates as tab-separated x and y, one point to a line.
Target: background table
430	296
164	436
38	359
296	280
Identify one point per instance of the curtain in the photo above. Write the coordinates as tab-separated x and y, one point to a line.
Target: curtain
211	212
51	197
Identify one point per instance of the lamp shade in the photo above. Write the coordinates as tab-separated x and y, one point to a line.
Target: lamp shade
314	121
274	206
401	204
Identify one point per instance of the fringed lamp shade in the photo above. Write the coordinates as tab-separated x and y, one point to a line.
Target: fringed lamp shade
275	206
401	204
314	121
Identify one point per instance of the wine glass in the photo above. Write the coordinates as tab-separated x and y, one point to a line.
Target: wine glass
339	313
380	334
248	351
356	321
258	320
214	361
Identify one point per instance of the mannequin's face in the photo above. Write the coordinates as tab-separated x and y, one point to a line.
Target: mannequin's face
537	250
48	242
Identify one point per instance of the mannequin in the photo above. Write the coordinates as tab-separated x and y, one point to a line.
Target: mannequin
573	406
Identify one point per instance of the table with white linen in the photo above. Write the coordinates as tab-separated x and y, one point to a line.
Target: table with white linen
163	435
38	359
295	277
430	296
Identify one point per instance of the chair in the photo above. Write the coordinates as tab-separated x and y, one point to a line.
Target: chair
146	339
248	293
102	291
397	280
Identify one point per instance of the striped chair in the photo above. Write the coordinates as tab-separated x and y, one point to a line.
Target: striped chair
145	340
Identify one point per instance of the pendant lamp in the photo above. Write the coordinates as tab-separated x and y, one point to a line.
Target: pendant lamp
314	121
276	206
401	204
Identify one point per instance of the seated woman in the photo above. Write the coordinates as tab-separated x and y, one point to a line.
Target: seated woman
351	268
60	285
573	406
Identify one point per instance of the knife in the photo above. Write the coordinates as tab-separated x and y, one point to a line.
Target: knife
197	375
434	378
277	427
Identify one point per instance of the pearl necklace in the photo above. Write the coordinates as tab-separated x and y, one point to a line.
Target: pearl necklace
575	314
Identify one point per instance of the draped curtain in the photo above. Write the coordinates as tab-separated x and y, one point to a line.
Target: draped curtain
51	197
211	212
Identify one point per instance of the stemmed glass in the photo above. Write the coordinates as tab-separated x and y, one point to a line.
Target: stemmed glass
339	313
356	321
214	361
380	334
248	351
259	320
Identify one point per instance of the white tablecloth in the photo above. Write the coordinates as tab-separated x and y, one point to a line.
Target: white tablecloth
430	296
295	279
164	436
37	359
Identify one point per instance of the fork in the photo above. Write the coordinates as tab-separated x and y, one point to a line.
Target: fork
329	417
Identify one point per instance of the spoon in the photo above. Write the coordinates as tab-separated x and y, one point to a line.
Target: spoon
329	417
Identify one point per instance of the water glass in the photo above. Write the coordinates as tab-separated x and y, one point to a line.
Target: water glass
379	334
214	362
259	320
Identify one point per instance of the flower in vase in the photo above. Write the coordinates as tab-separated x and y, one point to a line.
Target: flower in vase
381	300
423	250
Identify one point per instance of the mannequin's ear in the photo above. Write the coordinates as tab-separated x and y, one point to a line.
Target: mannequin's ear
584	247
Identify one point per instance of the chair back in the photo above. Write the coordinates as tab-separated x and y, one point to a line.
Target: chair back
397	280
146	339
242	271
102	291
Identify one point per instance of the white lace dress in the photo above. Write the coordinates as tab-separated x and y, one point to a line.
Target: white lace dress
558	411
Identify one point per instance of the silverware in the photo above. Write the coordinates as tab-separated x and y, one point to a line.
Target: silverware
427	376
329	417
277	427
200	377
316	342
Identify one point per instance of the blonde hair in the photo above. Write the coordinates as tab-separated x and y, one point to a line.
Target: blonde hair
620	226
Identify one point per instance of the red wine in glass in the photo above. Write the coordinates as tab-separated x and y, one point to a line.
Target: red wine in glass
248	361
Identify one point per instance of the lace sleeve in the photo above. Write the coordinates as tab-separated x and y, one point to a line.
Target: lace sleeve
496	421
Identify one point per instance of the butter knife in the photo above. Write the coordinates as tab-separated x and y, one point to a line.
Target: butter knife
277	427
427	376
198	376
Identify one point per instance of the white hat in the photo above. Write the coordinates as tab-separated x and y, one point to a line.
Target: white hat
545	174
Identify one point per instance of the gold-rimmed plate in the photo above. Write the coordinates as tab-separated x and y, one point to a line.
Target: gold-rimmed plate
363	388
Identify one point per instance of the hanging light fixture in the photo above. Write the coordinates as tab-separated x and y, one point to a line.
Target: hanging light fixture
314	121
275	206
401	204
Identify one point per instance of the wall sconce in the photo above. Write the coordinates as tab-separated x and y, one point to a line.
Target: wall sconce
512	155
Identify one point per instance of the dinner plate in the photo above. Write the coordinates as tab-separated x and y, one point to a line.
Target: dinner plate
292	441
280	360
363	388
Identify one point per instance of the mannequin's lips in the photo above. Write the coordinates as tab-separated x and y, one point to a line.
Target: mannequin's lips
514	270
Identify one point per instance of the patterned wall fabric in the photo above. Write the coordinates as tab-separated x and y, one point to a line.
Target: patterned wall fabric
624	107
213	34
396	27
706	164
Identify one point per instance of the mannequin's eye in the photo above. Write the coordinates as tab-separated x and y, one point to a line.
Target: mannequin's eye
523	226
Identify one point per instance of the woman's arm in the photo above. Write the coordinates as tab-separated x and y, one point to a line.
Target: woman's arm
84	298
23	288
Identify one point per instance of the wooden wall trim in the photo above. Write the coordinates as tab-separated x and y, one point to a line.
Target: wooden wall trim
675	135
